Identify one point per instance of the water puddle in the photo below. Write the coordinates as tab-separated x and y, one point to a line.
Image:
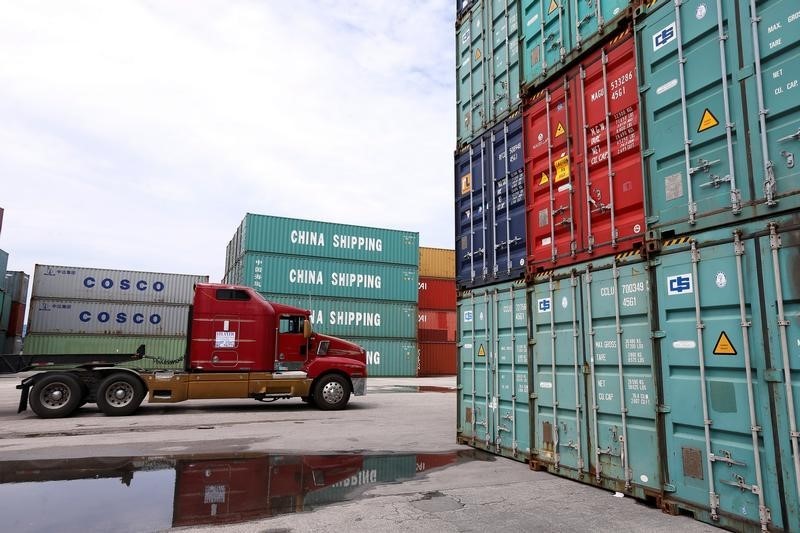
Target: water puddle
151	493
409	388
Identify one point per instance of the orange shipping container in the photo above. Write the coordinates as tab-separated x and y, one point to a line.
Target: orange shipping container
437	293
437	263
437	359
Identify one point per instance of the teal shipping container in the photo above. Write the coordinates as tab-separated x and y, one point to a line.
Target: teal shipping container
3	268
389	357
291	236
161	352
487	66
728	333
493	370
594	392
720	102
376	470
557	32
333	278
355	318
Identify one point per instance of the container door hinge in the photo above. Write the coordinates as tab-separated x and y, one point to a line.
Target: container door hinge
745	73
663	409
459	387
658	334
648	152
773	376
668	487
533	396
651	220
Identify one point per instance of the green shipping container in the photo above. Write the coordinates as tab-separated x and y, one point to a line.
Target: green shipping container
487	66
389	357
493	370
355	318
720	112
728	333
595	396
290	236
334	278
3	268
161	352
556	32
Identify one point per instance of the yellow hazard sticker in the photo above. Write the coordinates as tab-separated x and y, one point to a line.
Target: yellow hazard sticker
724	346
466	183
562	168
708	121
478	54
544	179
553	6
559	130
481	351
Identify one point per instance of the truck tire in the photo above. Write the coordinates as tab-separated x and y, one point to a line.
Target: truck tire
56	395
120	394
331	393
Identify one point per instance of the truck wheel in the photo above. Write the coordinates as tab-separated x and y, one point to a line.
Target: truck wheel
331	393
56	395
120	394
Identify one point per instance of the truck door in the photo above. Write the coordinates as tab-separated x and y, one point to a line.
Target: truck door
291	349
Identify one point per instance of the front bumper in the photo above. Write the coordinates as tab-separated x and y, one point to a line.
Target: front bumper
359	386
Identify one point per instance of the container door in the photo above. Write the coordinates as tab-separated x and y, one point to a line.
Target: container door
590	18
622	389
696	164
780	252
545	37
510	371
718	427
558	403
551	204
508	199
611	166
471	91
504	31
475	420
773	95
473	237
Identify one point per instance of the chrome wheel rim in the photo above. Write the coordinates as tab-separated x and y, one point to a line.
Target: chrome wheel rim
55	395
119	394
333	392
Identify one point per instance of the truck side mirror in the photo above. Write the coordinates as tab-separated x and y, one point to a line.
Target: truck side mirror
306	328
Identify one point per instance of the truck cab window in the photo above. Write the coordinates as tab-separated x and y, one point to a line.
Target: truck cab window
291	324
232	294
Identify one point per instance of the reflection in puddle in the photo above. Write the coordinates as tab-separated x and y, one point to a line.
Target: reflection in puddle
410	388
149	493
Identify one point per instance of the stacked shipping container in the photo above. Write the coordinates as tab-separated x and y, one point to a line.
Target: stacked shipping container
16	292
661	241
436	327
359	283
92	310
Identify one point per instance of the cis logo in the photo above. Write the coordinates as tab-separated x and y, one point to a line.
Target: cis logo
544	305
681	284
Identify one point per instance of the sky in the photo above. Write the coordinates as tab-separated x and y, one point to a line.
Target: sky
135	135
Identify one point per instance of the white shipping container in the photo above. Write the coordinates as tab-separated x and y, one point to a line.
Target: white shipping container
81	283
106	318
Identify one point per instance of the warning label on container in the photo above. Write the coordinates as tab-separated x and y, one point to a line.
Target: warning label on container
724	346
225	339
562	168
481	351
708	121
466	183
553	6
559	130
544	179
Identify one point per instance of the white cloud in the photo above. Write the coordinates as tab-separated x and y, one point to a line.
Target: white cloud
137	134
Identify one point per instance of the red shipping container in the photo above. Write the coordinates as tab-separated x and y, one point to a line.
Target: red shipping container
16	319
437	293
583	162
435	325
437	359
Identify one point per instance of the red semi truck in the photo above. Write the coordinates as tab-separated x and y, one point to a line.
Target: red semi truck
239	345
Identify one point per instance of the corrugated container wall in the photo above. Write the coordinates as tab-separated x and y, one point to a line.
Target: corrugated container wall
346	318
17	283
389	357
493	370
437	263
3	268
583	164
163	352
732	387
555	32
334	278
49	315
80	283
720	111
490	207
437	359
437	293
487	66
593	374
295	237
